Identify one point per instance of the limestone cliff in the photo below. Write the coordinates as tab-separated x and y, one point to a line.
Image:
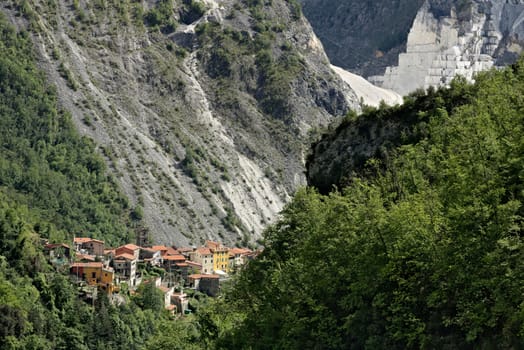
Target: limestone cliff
201	108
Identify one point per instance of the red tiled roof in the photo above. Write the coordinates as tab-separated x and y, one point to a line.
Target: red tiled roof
174	257
172	251
88	264
192	263
203	251
85	257
125	256
159	247
182	264
130	246
56	245
81	239
185	250
235	251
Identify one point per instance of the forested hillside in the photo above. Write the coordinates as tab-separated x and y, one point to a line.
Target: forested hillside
53	185
422	248
44	164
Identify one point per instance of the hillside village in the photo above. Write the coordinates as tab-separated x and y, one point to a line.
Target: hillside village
96	268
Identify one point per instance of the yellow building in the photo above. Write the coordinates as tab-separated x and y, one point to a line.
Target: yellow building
220	256
95	274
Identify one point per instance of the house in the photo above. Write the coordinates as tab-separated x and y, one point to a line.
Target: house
165	250
238	257
94	274
181	301
84	257
150	256
185	251
58	251
209	284
90	245
167	292
204	257
128	249
170	261
193	267
125	267
220	256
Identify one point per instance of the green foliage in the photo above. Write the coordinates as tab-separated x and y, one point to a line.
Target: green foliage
44	163
161	16
424	252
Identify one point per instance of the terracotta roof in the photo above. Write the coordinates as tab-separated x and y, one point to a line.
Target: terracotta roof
235	251
56	245
81	239
125	256
149	250
170	307
109	251
85	257
182	264
185	249
203	251
174	257
192	263
159	247
88	264
215	246
130	246
172	251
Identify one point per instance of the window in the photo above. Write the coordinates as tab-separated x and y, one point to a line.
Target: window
93	274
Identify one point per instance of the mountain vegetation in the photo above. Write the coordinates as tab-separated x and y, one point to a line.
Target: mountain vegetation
53	185
421	248
201	109
416	245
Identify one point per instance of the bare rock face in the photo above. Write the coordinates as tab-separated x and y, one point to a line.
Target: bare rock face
404	45
450	38
363	37
201	108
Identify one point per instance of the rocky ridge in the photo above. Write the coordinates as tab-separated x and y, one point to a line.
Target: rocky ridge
201	109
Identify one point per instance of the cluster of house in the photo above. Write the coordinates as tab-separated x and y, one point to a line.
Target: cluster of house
201	268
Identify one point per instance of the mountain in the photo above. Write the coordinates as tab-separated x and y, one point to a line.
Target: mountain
408	45
201	109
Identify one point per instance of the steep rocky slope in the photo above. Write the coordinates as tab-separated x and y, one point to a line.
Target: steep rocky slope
201	108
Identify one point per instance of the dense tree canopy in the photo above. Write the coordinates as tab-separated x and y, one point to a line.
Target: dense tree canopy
425	253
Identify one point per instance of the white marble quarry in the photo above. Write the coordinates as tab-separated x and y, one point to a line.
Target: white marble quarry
439	49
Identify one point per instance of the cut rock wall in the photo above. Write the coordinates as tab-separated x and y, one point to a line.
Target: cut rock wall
463	41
